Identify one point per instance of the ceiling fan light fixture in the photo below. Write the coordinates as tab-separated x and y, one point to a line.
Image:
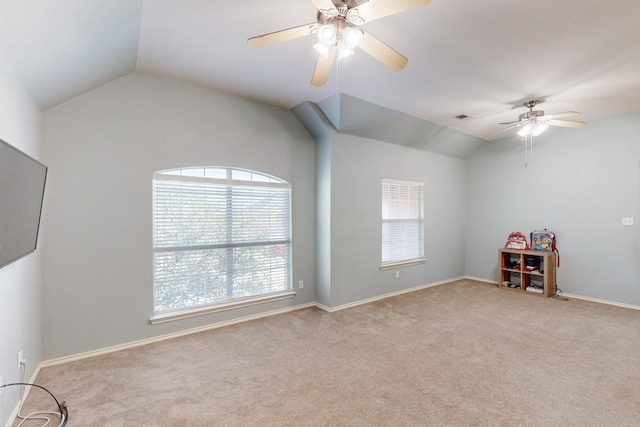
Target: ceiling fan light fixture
533	128
338	33
322	49
526	130
344	52
351	37
327	34
538	128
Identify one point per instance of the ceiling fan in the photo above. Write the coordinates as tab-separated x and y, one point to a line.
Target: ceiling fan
338	29
533	123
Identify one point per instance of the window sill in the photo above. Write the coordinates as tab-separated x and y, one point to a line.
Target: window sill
200	311
399	264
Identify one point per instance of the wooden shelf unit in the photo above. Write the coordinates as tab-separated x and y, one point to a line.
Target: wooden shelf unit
520	277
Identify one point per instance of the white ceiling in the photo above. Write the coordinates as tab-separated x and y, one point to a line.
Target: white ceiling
481	59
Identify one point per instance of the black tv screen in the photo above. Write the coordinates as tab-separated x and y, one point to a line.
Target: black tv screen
22	180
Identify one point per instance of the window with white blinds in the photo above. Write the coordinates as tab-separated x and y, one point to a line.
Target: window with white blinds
402	222
219	234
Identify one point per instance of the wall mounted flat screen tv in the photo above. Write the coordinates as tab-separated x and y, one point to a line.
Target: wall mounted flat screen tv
22	181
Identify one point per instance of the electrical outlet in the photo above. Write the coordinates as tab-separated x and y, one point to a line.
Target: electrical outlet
20	359
397	274
627	220
301	284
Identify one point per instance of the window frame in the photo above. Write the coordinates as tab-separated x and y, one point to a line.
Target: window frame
416	217
250	180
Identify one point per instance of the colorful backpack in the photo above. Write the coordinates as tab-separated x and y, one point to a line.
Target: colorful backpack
544	240
516	240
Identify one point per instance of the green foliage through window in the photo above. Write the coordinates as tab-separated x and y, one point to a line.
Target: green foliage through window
219	234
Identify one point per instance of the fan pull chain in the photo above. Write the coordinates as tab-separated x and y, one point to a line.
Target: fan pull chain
528	149
338	74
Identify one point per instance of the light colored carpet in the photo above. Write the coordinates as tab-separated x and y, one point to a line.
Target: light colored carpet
460	354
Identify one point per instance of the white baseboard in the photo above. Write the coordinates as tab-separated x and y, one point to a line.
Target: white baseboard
572	296
133	344
139	343
112	349
601	301
389	295
480	279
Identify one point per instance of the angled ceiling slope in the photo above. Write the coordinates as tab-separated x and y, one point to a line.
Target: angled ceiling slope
61	49
357	117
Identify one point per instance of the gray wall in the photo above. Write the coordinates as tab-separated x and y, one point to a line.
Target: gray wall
20	322
357	168
350	169
102	149
579	184
319	126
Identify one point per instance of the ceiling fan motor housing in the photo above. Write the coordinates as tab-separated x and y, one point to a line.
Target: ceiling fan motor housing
342	15
348	3
531	115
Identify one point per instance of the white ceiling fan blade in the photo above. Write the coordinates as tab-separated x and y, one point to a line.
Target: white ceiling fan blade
502	130
559	115
565	123
323	67
281	36
375	9
510	123
382	52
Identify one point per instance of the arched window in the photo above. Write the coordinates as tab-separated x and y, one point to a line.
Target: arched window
219	234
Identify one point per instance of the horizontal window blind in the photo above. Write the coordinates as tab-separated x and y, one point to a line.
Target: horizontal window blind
402	221
216	239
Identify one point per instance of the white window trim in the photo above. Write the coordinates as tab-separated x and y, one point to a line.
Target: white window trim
216	308
407	263
187	312
168	177
414	261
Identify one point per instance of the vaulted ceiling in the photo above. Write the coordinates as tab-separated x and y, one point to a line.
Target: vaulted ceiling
479	59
